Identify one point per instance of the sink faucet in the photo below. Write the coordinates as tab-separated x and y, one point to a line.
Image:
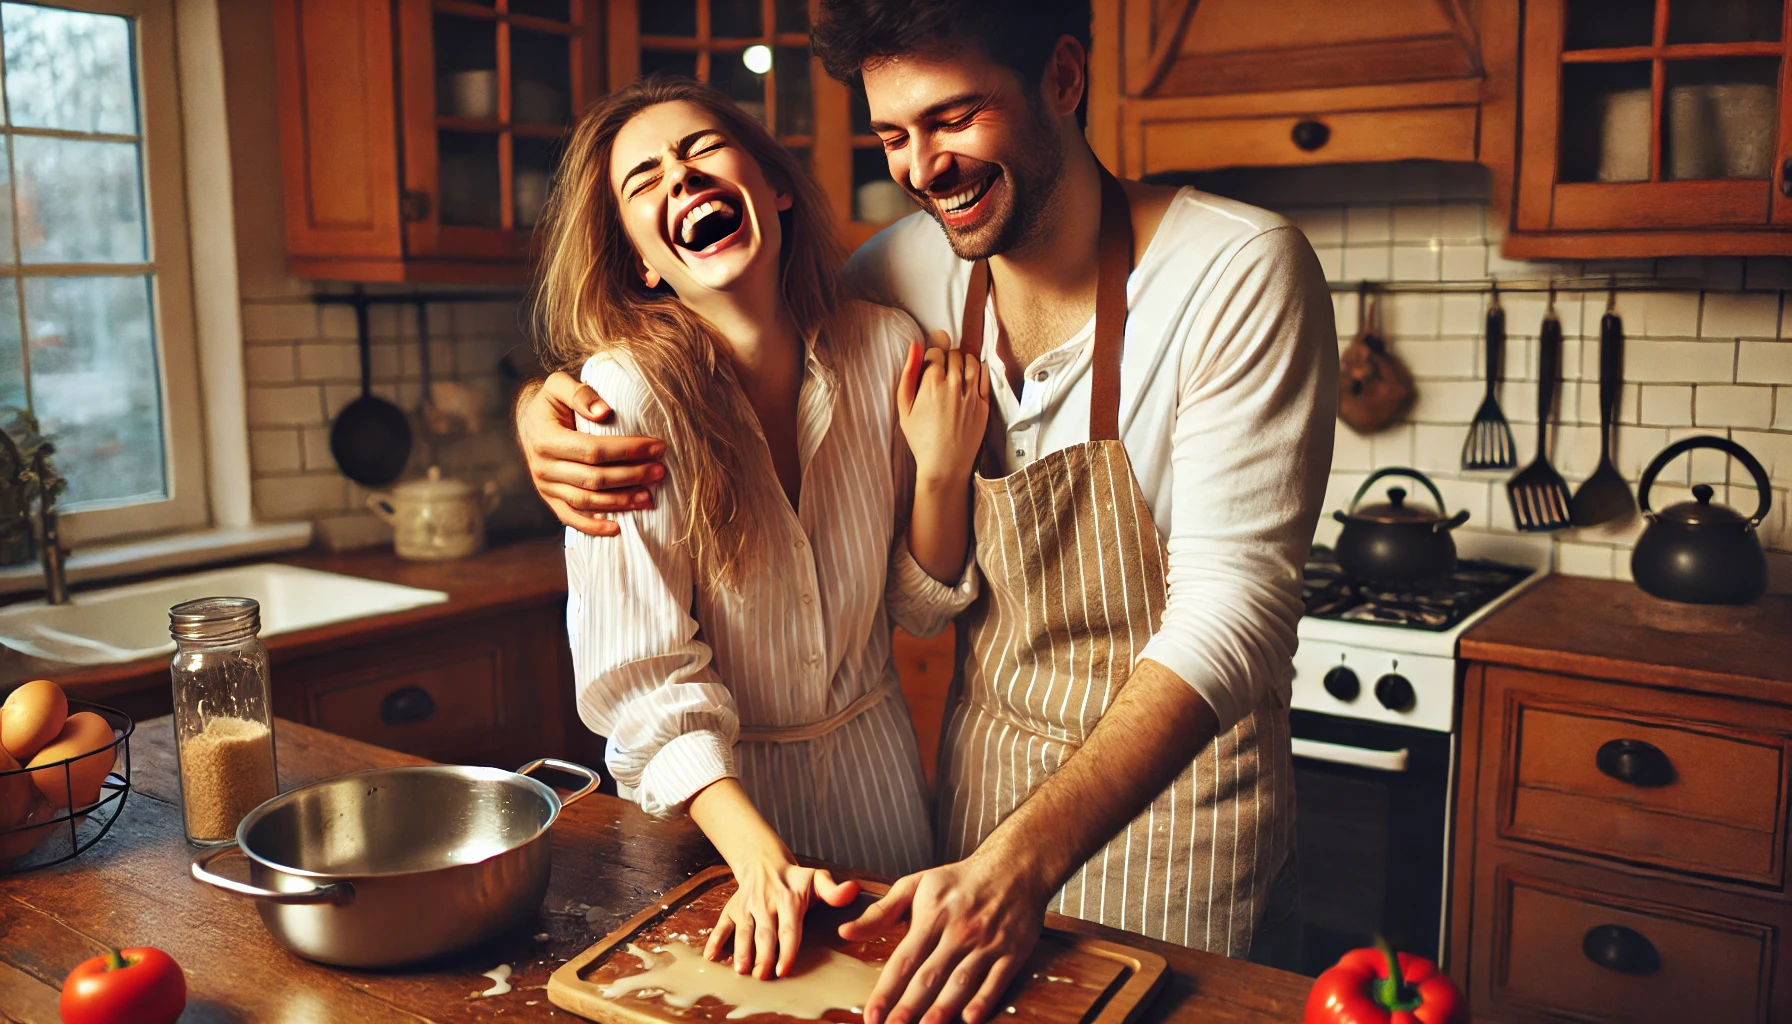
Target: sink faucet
55	575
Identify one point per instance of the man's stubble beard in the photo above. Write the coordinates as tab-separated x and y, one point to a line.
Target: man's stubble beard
1035	183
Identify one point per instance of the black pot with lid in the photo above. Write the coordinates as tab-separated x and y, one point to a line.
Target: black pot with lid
1395	543
1698	551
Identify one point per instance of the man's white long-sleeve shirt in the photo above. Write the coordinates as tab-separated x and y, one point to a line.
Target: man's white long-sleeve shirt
1227	407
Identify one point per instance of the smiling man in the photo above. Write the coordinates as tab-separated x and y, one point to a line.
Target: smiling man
1162	368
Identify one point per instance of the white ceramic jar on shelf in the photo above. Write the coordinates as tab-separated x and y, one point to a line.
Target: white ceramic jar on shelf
436	519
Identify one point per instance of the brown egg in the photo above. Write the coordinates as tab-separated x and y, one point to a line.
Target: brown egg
21	840
84	733
17	794
32	716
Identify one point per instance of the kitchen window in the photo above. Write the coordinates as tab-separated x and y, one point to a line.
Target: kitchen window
96	305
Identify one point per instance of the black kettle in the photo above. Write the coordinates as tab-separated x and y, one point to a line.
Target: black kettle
1699	552
1393	542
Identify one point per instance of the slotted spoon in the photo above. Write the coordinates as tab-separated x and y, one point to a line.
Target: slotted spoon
1489	444
1538	493
1604	497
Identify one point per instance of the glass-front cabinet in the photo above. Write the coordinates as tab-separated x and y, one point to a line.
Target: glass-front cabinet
420	136
1653	127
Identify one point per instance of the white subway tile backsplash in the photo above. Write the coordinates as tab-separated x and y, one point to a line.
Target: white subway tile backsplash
1594	560
338	322
1449	401
1782	408
1323	225
1331	261
298	497
1417	262
283	321
1464	262
1409	316
268	364
1730	405
1764	362
1666	405
1351	451
314	443
1741	315
295	406
1367	262
1452	358
1418	222
1463	316
1683	362
1772	450
275	451
330	361
1666	315
1393	446
1437	448
1368	223
1462	222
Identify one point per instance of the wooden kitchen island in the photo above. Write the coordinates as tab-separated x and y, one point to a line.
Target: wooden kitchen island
610	861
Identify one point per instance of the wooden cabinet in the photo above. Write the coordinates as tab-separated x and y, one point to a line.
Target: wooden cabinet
1652	128
1197	84
1622	813
418	136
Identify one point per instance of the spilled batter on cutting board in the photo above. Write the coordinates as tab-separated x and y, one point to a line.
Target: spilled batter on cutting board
821	980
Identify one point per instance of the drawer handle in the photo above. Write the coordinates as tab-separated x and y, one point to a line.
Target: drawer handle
1617	948
1786	178
1311	135
407	705
1634	762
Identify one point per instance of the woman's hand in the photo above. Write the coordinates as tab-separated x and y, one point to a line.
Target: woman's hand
942	403
764	917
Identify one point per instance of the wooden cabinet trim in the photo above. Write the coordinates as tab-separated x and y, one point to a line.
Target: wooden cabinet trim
1428	132
1590	205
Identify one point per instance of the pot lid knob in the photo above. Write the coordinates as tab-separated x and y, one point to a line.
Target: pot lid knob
1702	511
1702	493
1397	495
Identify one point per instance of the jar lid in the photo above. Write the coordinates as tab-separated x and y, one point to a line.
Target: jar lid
434	487
215	618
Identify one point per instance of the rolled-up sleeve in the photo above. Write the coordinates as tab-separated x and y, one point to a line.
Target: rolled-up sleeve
1252	449
643	677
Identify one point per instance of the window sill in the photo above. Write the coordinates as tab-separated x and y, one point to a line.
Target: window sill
98	563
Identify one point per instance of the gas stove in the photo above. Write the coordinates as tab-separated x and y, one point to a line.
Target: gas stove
1388	654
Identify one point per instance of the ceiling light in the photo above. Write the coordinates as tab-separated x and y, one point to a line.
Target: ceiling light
757	58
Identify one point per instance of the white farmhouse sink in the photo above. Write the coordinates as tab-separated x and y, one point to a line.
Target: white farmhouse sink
126	623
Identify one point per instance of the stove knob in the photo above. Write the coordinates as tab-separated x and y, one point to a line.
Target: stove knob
1342	683
1394	692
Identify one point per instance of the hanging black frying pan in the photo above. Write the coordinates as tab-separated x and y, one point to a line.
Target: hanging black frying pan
371	438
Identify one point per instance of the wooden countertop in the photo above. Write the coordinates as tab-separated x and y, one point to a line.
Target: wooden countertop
610	860
1611	629
509	575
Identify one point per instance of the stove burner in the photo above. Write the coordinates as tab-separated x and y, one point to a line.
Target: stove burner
1435	606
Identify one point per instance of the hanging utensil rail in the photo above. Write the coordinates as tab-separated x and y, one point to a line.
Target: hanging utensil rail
1538	284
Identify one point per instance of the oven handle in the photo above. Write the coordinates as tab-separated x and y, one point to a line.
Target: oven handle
1361	757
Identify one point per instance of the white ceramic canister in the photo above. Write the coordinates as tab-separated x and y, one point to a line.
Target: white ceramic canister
436	519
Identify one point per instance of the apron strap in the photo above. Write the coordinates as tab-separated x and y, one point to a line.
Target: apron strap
816	730
1113	265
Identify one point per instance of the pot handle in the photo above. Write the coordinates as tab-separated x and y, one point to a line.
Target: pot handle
338	893
1763	486
380	504
591	778
1410	474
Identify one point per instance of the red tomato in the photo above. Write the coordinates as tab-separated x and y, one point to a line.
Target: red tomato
126	986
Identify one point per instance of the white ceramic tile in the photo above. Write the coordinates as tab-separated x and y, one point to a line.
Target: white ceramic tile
1437	448
1575	450
1782	408
1679	362
1772	450
1392	446
338	322
284	321
1447	401
1464	262
274	451
1524	313
1741	315
1732	405
351	531
1351	451
1409	315
1519	399
1635	446
1666	405
1462	222
1417	222
475	318
1465	493
292	406
338	395
331	361
1590	560
1368	224
268	364
1331	261
1323	225
1452	359
1463	316
1367	263
1417	262
1764	362
1666	315
314	444
1344	312
291	497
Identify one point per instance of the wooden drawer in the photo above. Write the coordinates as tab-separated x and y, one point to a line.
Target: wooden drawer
1563	948
1598	774
1193	144
440	705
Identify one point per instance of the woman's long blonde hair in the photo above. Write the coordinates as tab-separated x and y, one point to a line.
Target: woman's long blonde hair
589	298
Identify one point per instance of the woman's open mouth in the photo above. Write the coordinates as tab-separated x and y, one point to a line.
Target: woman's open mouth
709	223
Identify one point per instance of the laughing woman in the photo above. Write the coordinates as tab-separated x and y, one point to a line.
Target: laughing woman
734	641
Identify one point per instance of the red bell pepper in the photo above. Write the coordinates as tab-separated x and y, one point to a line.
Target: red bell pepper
126	986
1368	986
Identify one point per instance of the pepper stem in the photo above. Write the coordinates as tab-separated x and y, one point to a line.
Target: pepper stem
115	960
1392	992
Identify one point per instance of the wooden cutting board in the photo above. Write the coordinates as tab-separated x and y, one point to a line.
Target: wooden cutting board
1070	979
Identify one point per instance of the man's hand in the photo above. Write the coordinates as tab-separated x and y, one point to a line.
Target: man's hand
580	475
972	925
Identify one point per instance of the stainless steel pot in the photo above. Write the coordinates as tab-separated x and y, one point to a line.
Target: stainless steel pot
394	865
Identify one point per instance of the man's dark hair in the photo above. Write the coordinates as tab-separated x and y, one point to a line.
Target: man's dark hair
1017	34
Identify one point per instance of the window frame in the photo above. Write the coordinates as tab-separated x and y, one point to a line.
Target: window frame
161	141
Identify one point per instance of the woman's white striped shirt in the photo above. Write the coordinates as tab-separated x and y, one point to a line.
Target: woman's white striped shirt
671	674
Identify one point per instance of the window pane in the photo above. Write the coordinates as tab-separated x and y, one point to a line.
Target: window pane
796	104
1601	24
540	77
1720	118
670	62
1724	21
668	18
1605	122
469	179
96	385
69	70
79	201
793	15
12	349
558	10
731	76
736	19
6	199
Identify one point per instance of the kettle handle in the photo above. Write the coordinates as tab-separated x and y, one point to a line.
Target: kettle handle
1763	486
380	504
1410	474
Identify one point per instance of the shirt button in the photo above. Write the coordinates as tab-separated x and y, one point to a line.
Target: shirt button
798	545
808	599
813	658
1041	375
1020	453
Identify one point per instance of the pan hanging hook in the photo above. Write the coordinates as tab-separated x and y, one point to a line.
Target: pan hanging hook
1611	297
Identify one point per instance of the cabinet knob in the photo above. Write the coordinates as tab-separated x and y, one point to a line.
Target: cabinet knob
1634	762
413	205
407	705
1617	948
1786	178
1310	135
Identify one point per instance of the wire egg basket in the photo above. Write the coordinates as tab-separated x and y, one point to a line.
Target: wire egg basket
50	834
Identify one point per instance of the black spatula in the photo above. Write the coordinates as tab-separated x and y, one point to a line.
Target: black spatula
1604	497
1538	493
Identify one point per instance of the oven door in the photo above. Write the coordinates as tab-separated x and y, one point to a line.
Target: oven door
1371	823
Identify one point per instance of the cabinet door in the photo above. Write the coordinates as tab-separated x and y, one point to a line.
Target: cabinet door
340	155
1652	114
489	89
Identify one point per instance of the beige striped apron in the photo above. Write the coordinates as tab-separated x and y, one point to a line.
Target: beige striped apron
1074	587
